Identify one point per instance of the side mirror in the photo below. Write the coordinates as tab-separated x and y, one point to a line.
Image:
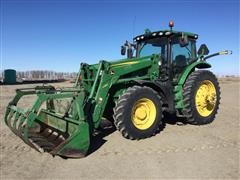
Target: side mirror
203	50
123	50
183	41
130	53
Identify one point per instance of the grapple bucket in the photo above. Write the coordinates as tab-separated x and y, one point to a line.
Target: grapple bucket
64	133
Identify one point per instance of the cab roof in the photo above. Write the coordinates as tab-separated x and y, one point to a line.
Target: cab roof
162	33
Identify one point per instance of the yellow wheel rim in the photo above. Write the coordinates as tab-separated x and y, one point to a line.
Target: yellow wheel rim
143	113
205	98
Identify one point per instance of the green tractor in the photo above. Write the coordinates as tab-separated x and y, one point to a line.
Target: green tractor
163	72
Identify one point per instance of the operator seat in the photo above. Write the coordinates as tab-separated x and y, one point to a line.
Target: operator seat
180	61
179	64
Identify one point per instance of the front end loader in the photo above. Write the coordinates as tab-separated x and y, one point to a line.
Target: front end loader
163	72
46	128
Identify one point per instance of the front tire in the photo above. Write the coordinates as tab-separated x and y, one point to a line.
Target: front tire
201	97
138	113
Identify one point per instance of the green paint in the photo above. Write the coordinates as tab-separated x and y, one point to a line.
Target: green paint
191	68
88	102
96	86
178	90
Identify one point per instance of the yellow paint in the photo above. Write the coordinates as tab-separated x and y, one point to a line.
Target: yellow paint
223	52
144	113
205	98
125	63
105	85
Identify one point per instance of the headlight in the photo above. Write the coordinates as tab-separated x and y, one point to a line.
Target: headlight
167	33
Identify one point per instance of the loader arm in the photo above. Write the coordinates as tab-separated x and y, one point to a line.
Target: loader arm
67	133
111	74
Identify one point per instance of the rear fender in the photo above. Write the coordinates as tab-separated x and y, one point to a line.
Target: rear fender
191	68
178	89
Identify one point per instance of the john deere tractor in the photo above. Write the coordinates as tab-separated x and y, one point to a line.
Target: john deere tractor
163	71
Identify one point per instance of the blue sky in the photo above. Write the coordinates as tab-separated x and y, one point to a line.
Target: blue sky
58	35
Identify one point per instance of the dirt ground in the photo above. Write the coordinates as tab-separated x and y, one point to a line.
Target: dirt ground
187	151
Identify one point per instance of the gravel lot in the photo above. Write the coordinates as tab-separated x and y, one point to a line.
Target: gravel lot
186	151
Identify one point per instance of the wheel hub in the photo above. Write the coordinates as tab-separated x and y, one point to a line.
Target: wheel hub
205	98
143	113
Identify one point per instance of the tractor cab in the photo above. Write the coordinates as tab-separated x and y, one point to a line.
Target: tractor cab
176	49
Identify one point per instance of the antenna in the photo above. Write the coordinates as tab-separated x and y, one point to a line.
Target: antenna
134	22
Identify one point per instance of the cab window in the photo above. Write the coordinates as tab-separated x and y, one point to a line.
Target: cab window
182	56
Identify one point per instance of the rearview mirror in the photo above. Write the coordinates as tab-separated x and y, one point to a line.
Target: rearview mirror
130	53
123	50
203	50
183	41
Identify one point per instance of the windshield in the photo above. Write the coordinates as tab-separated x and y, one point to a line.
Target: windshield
153	46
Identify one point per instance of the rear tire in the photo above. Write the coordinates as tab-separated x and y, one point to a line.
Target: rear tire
201	97
138	113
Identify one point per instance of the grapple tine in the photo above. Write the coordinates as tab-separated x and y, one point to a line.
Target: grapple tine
47	130
16	119
20	125
9	116
13	122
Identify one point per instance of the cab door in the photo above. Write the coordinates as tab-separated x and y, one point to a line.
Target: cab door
164	60
181	56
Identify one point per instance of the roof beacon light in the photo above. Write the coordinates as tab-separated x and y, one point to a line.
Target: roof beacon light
171	24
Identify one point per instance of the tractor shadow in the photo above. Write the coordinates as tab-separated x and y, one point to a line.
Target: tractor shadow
172	119
107	127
